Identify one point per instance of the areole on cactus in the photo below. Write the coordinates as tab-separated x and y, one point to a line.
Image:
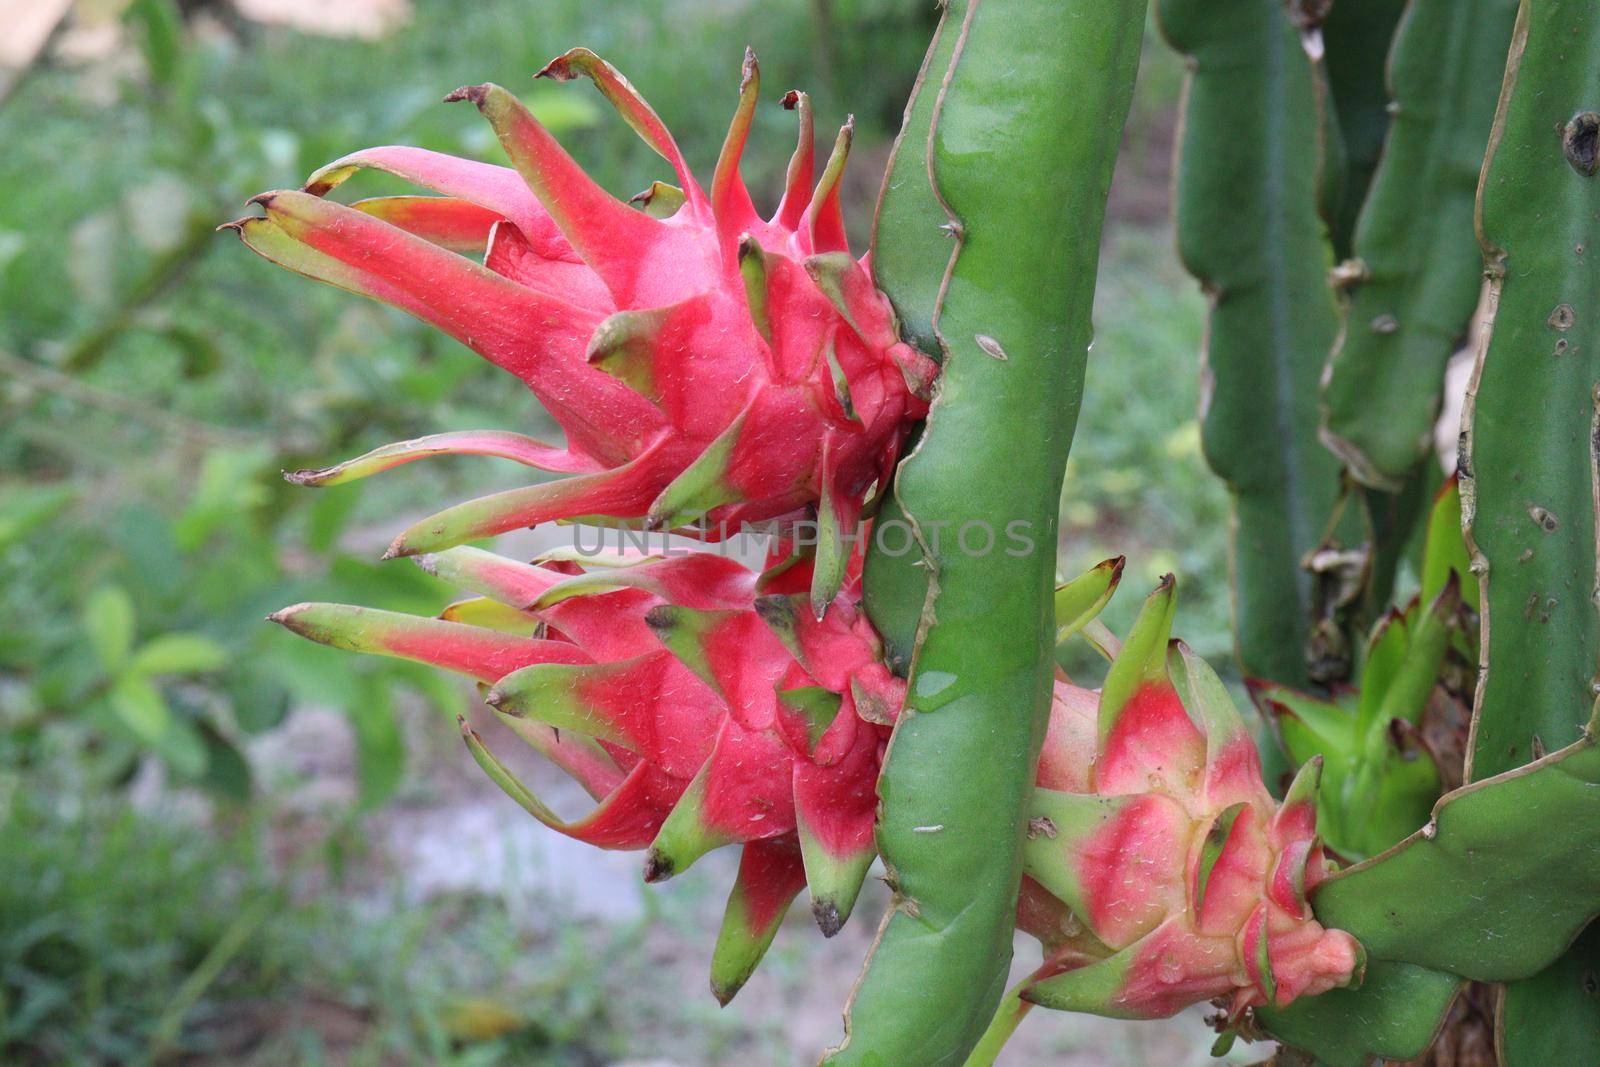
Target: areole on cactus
709	367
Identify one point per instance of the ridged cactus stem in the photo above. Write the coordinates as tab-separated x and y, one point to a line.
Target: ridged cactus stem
1356	40
1415	274
1502	881
1529	454
993	210
1248	184
1530	460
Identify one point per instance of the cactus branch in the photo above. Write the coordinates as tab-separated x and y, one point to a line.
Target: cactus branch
1010	315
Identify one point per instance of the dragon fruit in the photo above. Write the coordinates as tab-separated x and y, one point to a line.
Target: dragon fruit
703	705
1159	870
700	704
710	368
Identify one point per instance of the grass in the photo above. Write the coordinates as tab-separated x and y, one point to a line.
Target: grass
107	913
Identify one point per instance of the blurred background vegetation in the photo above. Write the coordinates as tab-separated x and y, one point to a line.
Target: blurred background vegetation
222	845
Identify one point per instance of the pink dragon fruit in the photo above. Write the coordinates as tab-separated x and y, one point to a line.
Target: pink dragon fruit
700	705
710	368
703	705
1159	871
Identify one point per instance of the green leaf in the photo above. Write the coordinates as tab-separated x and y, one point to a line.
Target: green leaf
159	27
1445	549
25	508
443	691
408	589
1311	727
231	483
328	515
142	534
313	673
561	111
142	709
201	356
227	772
259	701
108	619
178	654
1386	654
183	749
1405	692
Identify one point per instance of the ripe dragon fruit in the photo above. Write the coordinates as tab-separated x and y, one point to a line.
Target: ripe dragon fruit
710	368
700	704
703	705
1159	871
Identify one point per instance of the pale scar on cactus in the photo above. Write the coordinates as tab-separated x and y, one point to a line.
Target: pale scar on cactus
703	705
710	368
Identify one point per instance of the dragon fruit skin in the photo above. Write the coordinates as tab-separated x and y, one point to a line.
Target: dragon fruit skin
698	708
710	368
1159	871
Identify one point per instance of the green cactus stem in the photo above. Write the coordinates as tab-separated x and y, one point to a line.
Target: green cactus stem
1394	1015
1415	275
1457	895
1554	1017
1248	229
1528	476
1456	900
1356	39
1015	153
1529	457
